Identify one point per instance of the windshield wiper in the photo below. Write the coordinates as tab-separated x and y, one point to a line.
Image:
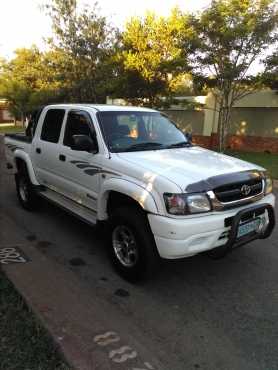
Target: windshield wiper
181	144
142	146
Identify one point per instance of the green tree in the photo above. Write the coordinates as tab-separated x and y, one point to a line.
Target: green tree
28	80
270	76
18	95
150	58
230	36
87	42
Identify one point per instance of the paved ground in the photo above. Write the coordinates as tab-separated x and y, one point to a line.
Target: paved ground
196	314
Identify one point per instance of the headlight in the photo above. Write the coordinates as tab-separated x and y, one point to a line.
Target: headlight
268	184
198	203
183	204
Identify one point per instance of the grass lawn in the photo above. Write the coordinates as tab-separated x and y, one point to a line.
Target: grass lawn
11	129
24	343
268	161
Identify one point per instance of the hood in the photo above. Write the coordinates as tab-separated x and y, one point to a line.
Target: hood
185	166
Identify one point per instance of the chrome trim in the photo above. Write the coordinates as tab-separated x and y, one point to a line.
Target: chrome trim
264	184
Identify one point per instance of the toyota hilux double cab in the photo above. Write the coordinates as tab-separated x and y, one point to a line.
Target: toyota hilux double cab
133	168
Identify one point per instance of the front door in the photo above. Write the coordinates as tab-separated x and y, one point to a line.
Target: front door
80	169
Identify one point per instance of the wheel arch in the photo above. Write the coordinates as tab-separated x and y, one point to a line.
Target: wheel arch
22	158
117	192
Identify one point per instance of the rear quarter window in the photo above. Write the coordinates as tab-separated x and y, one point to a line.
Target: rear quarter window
52	125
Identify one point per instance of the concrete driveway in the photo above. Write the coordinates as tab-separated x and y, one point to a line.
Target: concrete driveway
196	314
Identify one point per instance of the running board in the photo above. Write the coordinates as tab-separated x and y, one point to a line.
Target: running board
85	214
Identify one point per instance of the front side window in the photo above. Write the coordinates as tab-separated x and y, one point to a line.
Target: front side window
78	123
135	131
52	125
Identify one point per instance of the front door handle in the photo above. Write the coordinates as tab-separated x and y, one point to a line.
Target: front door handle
38	150
62	157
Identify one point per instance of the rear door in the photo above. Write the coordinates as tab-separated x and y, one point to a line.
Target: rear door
46	148
79	169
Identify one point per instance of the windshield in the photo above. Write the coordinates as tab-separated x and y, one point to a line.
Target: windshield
137	131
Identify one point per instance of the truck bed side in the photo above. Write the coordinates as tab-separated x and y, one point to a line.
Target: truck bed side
19	137
14	145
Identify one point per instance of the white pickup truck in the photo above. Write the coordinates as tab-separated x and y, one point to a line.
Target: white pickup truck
161	195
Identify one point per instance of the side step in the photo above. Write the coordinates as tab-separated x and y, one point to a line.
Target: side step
84	213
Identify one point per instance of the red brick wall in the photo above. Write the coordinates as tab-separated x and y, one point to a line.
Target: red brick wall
254	143
204	141
240	143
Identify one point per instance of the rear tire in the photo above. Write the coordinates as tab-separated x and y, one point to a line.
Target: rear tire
132	247
26	193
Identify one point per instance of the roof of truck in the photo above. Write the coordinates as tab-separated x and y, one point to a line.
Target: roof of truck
104	107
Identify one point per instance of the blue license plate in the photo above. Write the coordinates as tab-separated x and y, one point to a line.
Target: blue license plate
249	227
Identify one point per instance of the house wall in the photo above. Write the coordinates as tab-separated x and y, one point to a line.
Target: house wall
254	123
262	99
188	120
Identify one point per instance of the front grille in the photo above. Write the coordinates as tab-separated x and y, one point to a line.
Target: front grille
235	191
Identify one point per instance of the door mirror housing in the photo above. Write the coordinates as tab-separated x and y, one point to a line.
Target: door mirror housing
83	143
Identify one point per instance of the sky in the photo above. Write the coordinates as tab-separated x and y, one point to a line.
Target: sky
23	23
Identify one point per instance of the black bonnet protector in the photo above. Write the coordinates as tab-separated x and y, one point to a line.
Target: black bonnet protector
220	180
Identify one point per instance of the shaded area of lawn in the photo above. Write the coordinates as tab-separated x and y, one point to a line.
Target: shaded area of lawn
11	129
266	160
24	343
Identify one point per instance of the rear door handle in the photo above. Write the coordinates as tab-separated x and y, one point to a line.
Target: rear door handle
62	157
38	150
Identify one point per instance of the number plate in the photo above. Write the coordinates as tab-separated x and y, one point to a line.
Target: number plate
249	227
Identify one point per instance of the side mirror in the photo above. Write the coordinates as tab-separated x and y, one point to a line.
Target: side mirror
83	143
188	136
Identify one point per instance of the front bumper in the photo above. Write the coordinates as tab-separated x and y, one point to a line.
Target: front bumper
178	238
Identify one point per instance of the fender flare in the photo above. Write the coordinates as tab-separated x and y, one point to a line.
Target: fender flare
142	196
19	154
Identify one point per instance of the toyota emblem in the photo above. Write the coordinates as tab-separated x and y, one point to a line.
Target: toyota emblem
245	190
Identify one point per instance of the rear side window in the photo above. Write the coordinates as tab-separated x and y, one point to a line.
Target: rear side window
52	125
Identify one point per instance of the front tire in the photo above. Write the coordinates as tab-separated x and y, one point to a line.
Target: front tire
132	248
26	193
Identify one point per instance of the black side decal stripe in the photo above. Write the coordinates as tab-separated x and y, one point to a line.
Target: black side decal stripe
92	170
76	162
13	147
86	166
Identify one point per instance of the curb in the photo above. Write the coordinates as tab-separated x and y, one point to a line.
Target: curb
89	331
